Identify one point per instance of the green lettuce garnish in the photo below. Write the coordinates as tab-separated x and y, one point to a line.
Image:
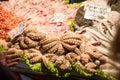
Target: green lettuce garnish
39	67
100	73
66	2
80	70
51	68
59	73
33	66
70	23
2	48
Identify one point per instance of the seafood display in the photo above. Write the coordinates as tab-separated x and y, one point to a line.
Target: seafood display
47	44
5	25
61	51
102	34
29	39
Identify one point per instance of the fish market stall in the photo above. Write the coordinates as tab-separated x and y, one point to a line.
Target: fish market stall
59	39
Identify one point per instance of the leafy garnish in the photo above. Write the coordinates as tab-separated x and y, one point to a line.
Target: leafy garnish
80	70
100	73
59	73
51	68
38	67
66	74
70	23
33	66
2	48
66	2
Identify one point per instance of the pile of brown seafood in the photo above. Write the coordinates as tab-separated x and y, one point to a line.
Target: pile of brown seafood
62	50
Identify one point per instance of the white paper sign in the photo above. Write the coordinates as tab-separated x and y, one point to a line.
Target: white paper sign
94	12
58	17
17	30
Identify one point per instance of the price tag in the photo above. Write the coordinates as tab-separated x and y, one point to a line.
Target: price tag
17	30
94	12
58	17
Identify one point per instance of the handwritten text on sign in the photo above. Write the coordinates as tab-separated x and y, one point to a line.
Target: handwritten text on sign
17	30
96	12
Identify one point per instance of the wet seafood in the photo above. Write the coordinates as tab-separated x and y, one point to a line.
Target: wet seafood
34	55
